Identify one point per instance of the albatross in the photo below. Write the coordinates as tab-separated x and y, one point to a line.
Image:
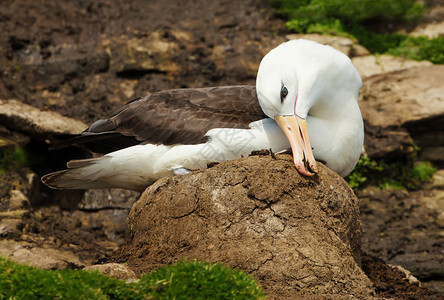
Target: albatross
305	99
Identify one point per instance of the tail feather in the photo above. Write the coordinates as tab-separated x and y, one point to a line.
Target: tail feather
81	174
131	168
81	163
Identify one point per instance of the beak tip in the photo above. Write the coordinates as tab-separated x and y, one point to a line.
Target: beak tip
303	170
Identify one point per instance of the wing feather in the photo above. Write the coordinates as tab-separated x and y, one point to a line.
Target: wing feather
180	116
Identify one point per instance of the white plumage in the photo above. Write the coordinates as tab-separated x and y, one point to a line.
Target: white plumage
321	87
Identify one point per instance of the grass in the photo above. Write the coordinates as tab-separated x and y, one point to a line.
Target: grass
394	175
184	280
364	168
355	19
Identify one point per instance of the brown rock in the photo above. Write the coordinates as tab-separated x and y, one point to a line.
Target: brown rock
438	180
403	97
408	101
371	65
10	138
296	235
152	53
382	142
96	199
432	154
430	30
111	222
9	226
411	223
18	200
408	275
34	122
64	62
118	271
43	258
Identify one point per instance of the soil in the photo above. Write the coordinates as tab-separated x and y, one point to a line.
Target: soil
67	50
401	227
69	57
392	283
296	235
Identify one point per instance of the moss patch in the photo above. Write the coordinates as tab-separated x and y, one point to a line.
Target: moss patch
354	19
12	157
185	280
394	175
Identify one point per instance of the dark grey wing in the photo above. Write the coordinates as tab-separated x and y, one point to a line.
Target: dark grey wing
181	116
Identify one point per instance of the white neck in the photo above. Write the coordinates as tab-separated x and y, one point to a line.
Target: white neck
336	133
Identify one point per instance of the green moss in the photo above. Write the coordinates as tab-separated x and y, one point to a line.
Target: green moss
350	11
388	183
12	157
420	48
353	18
198	280
23	282
364	168
423	171
185	280
394	175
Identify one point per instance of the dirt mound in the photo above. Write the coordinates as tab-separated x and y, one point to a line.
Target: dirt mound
294	234
392	283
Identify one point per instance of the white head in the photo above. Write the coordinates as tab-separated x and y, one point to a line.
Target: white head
294	77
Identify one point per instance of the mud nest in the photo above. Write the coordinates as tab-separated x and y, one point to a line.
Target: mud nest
296	235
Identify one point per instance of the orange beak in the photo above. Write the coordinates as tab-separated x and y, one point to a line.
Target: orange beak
295	129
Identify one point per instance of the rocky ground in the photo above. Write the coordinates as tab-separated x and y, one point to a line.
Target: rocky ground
82	59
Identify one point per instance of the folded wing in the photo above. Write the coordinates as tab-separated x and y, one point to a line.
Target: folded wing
180	116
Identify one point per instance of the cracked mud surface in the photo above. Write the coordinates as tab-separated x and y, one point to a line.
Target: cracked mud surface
256	214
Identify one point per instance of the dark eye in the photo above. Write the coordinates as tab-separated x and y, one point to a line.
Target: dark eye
284	93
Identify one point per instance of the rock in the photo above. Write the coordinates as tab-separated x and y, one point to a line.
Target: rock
408	101
18	200
296	235
43	258
430	30
118	271
66	61
227	60
154	53
405	228
371	65
9	226
381	142
89	235
438	180
37	124
10	138
432	154
434	200
404	97
425	266
17	213
97	199
109	222
347	46
408	274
